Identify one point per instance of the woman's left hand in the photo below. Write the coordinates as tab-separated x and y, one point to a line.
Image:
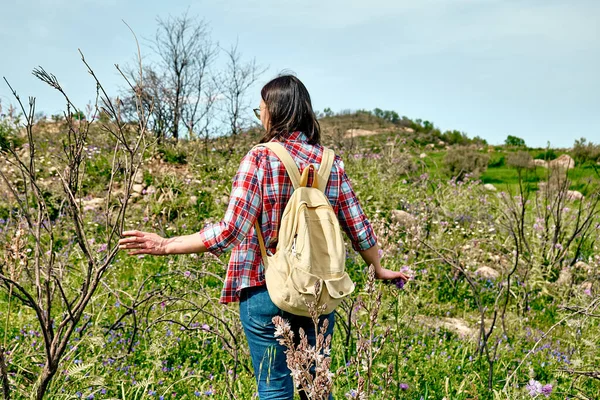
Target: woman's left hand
388	274
143	243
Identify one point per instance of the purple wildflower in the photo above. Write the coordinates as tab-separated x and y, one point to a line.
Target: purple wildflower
404	386
547	390
533	387
399	282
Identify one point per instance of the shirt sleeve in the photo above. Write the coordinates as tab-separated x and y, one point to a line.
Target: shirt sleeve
245	204
351	216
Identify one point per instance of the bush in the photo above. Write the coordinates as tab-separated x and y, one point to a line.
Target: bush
8	139
455	137
520	160
584	152
402	165
463	160
173	155
547	155
497	161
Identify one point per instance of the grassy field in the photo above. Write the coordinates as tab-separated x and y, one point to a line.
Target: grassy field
502	304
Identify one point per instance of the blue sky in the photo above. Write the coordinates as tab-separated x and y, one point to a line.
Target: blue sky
491	68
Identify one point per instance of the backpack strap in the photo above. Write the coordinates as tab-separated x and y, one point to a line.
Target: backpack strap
325	168
261	241
287	160
294	174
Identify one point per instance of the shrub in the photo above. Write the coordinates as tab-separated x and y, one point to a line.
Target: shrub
584	152
497	161
455	137
173	155
547	155
403	164
463	160
8	138
520	160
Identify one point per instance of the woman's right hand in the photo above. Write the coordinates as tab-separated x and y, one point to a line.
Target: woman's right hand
139	242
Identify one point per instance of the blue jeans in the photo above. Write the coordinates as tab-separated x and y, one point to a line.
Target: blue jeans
268	358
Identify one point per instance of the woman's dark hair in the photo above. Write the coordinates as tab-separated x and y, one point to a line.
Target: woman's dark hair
290	109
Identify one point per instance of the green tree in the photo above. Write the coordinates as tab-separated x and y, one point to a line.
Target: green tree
514	141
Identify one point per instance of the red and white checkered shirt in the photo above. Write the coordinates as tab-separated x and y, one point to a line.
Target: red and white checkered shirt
261	189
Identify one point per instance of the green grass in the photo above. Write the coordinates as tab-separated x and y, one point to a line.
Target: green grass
460	222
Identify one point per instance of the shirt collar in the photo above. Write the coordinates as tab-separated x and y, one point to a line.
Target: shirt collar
297	136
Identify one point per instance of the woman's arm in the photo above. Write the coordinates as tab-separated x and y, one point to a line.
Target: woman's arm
245	204
150	243
371	257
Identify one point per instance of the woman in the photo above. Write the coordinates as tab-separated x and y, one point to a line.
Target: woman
260	191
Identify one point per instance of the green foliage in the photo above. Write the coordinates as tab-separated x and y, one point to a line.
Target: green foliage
388	115
98	169
458	219
497	160
585	152
460	161
455	137
514	141
173	154
148	178
8	136
79	116
548	155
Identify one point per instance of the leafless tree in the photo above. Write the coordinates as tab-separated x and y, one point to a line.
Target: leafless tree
178	87
55	287
234	83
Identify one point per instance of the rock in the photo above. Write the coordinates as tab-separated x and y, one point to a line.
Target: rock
138	177
574	195
564	161
192	200
487	272
456	325
93	203
350	133
441	143
490	187
459	326
564	277
150	190
403	218
580	265
540	163
138	188
422	155
430	146
409	130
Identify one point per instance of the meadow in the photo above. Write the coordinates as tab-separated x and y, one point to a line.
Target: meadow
503	302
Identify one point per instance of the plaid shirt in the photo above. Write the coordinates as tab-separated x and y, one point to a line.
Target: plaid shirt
261	189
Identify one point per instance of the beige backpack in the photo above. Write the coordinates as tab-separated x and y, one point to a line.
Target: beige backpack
310	244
